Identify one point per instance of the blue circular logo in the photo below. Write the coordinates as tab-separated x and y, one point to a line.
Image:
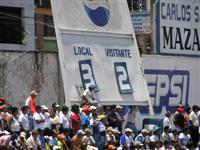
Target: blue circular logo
98	11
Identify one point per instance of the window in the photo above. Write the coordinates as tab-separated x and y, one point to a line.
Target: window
42	3
137	5
49	30
11	28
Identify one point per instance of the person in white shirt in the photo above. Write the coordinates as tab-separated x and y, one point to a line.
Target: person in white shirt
24	119
33	141
184	137
13	121
47	123
110	137
194	125
131	119
87	138
89	95
167	121
142	136
38	118
155	132
126	139
65	118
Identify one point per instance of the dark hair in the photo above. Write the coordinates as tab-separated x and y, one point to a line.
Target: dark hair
14	109
195	107
187	108
65	108
166	142
166	127
74	107
64	130
38	107
24	108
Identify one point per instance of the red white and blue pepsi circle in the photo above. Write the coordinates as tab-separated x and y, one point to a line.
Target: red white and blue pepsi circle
98	11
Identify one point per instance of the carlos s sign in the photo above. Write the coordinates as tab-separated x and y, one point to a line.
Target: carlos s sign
178	27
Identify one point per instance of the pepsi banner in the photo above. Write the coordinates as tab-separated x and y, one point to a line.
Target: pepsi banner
97	46
178	27
171	81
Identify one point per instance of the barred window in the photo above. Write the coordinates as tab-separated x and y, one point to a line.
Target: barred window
49	30
137	5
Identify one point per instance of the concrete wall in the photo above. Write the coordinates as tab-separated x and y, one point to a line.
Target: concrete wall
22	72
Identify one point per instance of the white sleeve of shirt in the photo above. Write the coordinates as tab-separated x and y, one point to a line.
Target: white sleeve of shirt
61	118
85	92
36	116
21	117
92	139
27	103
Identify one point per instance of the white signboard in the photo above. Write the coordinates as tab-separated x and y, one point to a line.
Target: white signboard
178	27
97	47
141	22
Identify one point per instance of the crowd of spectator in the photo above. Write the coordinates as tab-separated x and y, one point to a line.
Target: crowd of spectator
91	127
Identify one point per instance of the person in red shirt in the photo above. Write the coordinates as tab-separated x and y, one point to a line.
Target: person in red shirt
75	119
31	102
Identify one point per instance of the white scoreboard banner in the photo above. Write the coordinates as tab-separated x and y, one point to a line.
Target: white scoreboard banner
97	46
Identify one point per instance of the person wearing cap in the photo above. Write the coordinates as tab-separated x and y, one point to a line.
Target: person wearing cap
117	135
87	138
110	137
24	119
179	118
194	125
77	140
102	131
85	117
33	141
120	119
142	136
64	118
89	95
31	102
126	139
56	108
47	123
21	142
94	124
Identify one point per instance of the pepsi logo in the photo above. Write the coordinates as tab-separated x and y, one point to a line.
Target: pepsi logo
97	11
